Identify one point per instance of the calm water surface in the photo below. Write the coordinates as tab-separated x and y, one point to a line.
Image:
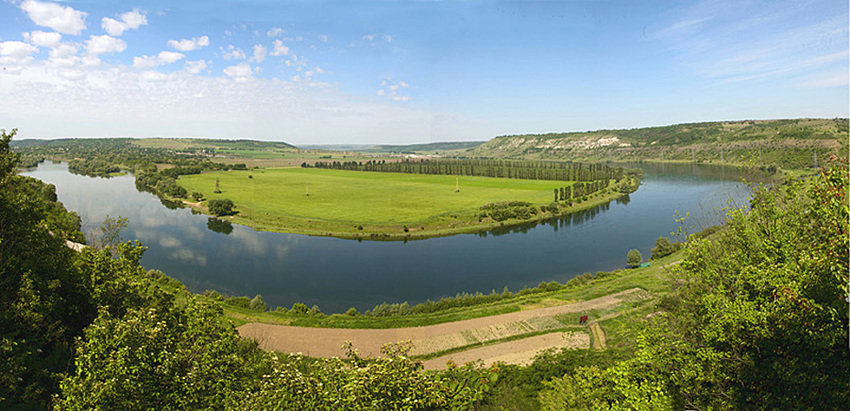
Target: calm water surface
337	274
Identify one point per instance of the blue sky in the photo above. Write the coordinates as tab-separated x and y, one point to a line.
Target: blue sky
349	72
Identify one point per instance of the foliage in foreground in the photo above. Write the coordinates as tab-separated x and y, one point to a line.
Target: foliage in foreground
758	318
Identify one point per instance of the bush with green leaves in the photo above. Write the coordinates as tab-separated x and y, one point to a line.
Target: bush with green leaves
391	382
634	258
220	207
663	248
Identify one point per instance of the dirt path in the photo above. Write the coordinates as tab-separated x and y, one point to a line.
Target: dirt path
519	352
598	336
326	342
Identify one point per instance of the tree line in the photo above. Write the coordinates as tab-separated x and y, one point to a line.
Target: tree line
521	169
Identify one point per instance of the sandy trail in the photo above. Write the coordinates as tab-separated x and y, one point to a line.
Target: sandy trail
598	336
327	342
520	352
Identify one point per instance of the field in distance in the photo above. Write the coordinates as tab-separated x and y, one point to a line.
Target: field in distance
356	203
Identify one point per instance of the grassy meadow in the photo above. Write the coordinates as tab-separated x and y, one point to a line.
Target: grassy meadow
359	203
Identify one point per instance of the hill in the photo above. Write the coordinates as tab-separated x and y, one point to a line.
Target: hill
783	143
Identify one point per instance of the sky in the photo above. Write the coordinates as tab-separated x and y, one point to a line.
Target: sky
398	72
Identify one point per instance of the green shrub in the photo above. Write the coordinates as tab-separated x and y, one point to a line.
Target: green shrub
257	303
220	207
634	258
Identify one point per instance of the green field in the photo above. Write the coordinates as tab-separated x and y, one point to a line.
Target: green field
341	202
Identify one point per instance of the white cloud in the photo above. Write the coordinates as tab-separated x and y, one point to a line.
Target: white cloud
195	67
43	38
835	79
319	70
391	90
388	38
72	74
89	61
63	19
259	53
369	37
97	45
275	31
164	57
323	38
129	21
279	49
154	76
16	49
232	53
239	72
63	55
189	44
14	55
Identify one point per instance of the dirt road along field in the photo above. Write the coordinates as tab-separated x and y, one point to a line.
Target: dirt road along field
327	342
520	352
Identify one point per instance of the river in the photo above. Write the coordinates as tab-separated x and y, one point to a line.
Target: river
336	274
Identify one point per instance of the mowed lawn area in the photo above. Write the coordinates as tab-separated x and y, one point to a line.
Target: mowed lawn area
358	197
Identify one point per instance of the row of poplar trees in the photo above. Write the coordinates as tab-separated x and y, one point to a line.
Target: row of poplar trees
522	169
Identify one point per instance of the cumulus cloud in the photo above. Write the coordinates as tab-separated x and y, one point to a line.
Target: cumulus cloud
97	45
239	72
63	55
259	53
129	21
189	44
63	19
275	31
164	57
195	67
393	90
279	49
232	53
14	54
43	38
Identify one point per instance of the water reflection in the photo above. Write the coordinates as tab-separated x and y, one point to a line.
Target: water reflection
219	226
336	274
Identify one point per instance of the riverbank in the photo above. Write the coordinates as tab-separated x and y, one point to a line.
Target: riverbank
513	330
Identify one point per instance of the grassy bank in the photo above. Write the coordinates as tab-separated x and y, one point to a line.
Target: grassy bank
653	279
371	205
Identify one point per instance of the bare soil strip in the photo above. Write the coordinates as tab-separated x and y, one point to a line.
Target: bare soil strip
327	342
598	336
519	352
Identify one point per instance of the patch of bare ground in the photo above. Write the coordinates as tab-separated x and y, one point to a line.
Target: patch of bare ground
598	336
326	342
520	352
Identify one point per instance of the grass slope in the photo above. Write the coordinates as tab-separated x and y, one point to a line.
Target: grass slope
341	201
783	143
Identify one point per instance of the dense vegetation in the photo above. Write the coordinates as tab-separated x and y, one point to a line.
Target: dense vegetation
527	170
771	144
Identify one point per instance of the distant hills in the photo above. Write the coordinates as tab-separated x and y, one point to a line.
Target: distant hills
407	148
789	143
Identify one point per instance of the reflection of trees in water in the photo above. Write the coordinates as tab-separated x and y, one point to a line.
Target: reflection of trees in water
575	218
706	171
219	226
